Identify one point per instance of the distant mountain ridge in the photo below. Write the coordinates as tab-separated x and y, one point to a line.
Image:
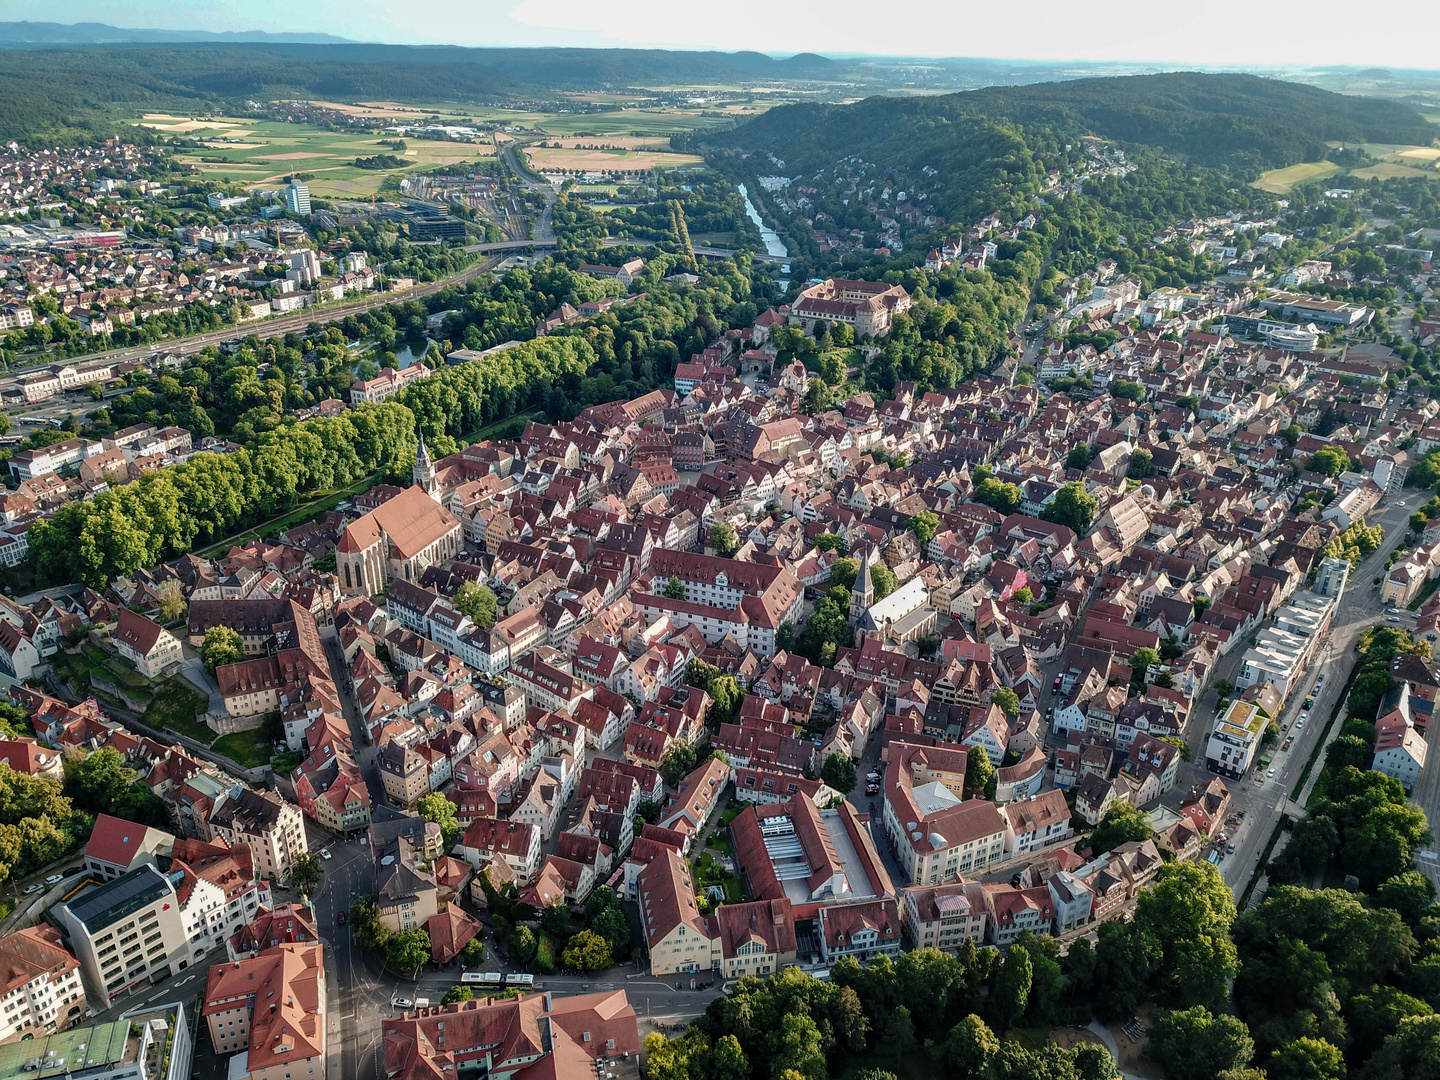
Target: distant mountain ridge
93	33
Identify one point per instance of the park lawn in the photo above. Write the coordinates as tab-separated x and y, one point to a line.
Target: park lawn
1280	181
246	748
514	423
919	1064
177	706
1031	1038
323	501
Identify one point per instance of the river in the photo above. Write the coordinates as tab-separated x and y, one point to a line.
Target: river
773	243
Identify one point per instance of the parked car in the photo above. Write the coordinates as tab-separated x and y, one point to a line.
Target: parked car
1229	849
1309	701
1270	774
31	890
54	879
872	789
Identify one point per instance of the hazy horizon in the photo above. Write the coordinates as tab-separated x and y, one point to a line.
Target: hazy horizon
1258	38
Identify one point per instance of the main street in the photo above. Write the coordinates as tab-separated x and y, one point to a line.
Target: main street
1262	799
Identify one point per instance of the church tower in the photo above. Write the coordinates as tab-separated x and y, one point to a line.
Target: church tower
423	473
862	593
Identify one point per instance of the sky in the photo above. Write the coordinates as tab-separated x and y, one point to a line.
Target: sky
1209	33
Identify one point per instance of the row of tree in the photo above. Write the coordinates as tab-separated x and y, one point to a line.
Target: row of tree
168	512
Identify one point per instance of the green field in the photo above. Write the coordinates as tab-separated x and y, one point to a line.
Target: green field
635	121
547	159
1280	181
262	153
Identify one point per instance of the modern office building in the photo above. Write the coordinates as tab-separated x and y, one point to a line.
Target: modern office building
126	932
297	199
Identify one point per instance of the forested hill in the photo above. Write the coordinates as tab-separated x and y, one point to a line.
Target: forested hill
22	34
1239	121
49	91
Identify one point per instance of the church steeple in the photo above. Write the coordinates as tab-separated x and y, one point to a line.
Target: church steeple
423	473
862	593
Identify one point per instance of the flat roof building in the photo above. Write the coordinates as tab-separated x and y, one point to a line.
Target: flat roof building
150	1045
1234	738
127	932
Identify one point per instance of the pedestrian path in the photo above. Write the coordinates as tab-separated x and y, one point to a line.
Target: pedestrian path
1109	1040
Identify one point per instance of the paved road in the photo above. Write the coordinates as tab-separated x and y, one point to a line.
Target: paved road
1263	802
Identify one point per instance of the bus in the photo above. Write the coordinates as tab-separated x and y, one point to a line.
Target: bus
523	980
483	978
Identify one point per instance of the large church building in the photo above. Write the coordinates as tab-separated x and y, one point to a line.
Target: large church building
399	538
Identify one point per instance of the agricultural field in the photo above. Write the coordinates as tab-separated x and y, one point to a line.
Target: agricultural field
549	159
395	110
1280	181
654	121
616	142
1389	170
1395	160
262	153
1399	160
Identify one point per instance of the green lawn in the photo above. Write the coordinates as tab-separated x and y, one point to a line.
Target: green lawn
1033	1038
708	871
114	669
177	706
503	429
916	1065
547	953
246	748
309	511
